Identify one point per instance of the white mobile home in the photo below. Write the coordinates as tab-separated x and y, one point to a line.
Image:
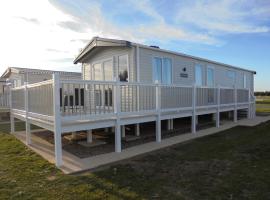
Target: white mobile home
129	84
18	75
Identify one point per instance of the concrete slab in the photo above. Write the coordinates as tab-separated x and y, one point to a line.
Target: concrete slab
72	164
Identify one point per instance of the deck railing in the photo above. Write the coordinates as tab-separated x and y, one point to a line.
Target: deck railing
4	100
82	97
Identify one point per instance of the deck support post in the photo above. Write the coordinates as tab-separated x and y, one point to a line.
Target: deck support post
217	119
249	105
89	136
117	137
137	129
28	132
158	120
168	124
235	115
123	131
57	121
117	110
158	129
235	105
27	124
194	116
218	108
171	124
12	123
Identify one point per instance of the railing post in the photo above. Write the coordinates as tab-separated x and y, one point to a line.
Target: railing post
194	98
57	121
158	107
117	110
235	105
12	123
27	125
249	104
218	108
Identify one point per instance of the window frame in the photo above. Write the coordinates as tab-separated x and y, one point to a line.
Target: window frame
117	66
106	60
101	61
195	74
162	67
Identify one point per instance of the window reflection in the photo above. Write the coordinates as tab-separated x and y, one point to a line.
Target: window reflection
123	68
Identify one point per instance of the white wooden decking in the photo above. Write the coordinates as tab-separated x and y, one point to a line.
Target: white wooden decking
73	105
73	164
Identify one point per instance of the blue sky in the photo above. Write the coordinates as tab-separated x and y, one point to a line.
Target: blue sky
49	34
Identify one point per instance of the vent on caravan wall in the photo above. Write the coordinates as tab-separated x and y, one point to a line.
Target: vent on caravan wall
153	46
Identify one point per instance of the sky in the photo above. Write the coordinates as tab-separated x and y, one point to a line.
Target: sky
49	34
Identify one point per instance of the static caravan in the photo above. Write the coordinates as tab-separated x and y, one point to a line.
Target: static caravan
18	76
127	85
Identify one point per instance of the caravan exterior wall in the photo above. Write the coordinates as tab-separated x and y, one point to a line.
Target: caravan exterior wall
183	68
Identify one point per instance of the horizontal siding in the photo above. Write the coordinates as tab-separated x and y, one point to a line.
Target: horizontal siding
181	62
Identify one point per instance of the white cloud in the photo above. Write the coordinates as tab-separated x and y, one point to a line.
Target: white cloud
225	16
93	17
29	29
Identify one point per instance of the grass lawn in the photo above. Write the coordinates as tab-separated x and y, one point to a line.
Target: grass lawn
263	105
233	164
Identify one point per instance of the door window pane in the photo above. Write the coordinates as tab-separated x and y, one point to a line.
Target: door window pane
198	75
97	72
123	68
210	77
167	71
231	75
157	70
108	70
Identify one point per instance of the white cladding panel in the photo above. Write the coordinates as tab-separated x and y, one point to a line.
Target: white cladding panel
183	71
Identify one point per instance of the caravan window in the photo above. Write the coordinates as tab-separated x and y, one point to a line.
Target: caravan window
231	75
97	72
123	68
167	71
157	70
108	70
162	70
210	77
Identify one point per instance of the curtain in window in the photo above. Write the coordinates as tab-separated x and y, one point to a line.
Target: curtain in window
210	77
167	71
157	70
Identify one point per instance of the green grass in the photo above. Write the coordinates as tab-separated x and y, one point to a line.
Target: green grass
233	164
263	105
